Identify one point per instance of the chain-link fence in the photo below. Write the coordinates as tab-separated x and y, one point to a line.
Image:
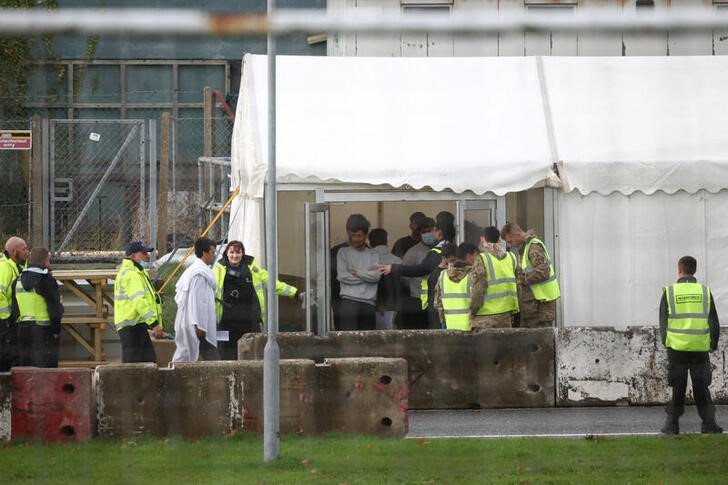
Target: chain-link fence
15	179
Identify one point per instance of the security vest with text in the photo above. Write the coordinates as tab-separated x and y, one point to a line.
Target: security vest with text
455	298
688	305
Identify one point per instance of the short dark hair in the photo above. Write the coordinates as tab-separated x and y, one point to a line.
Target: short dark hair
445	216
687	265
491	234
447	228
448	250
464	249
203	245
38	256
417	218
357	222
378	237
427	222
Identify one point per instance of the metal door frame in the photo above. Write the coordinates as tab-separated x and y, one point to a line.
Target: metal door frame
323	301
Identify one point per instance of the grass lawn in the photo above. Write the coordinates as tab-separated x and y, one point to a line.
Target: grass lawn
338	459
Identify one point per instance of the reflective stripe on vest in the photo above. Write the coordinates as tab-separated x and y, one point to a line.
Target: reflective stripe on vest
688	305
132	284
455	298
32	306
501	295
8	273
547	290
424	285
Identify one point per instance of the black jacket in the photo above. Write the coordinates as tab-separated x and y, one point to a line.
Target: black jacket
42	281
713	322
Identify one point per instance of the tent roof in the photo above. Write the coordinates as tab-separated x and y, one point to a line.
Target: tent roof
619	124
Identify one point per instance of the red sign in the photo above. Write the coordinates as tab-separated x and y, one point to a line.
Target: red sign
15	140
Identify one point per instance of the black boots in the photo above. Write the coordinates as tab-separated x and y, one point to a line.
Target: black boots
671	425
709	425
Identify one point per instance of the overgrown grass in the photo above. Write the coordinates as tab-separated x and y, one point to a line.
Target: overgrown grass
360	460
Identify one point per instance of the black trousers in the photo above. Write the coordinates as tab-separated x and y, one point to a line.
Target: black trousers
356	315
679	363
136	346
207	350
413	316
37	345
25	344
8	344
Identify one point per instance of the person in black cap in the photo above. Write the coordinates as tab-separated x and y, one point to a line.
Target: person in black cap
137	306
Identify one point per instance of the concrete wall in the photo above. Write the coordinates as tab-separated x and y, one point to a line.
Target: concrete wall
446	369
607	366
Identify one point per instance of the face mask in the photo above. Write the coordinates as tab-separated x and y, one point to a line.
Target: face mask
144	264
428	239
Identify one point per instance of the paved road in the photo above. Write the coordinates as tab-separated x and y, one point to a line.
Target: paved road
553	422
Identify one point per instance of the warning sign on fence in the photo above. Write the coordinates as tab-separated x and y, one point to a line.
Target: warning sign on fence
15	140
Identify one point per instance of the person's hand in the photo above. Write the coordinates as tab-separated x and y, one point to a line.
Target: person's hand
386	269
200	333
352	271
56	336
300	296
158	332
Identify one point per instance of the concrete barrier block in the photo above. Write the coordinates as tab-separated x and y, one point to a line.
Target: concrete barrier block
447	369
129	399
53	405
362	396
6	404
297	396
164	349
203	398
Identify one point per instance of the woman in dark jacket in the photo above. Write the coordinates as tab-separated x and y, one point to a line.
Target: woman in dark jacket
240	296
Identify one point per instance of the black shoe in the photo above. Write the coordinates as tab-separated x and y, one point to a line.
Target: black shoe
670	427
711	428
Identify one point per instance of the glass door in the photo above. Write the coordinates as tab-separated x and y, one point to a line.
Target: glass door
318	268
473	216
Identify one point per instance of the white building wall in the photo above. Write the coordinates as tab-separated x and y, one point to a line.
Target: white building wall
520	44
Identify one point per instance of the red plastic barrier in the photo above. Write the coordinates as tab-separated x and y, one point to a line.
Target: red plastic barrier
52	405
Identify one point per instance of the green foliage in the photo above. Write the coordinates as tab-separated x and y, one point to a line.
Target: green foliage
354	460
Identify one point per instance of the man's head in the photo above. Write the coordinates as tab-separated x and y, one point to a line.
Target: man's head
445	216
491	234
416	221
357	227
466	252
17	249
449	252
137	251
426	231
444	230
205	250
513	235
686	266
40	257
377	237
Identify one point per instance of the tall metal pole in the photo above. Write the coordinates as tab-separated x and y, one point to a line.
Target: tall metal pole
271	355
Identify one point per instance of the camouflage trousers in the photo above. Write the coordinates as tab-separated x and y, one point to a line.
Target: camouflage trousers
501	320
537	314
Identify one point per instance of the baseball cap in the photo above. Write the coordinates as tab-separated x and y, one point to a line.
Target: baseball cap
137	247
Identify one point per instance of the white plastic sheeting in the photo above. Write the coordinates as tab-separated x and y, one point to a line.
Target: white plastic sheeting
617	252
644	124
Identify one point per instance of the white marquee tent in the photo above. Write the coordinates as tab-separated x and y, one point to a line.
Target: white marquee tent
640	144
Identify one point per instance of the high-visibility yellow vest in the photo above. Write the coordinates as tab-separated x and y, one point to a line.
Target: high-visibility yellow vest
8	272
545	290
455	297
688	305
424	285
32	306
259	277
135	299
501	295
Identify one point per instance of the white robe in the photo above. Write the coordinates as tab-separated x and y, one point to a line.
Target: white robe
195	308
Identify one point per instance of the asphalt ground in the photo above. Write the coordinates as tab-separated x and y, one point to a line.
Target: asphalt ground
574	422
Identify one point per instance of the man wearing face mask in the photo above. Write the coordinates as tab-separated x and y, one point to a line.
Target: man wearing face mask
137	306
444	232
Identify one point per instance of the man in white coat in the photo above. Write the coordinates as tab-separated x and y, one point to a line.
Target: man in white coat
195	325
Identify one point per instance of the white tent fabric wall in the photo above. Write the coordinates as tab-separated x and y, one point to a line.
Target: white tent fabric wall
618	251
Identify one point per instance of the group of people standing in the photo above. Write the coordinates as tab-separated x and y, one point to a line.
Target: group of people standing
30	307
217	303
429	283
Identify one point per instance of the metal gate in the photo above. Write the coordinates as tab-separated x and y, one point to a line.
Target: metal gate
99	199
